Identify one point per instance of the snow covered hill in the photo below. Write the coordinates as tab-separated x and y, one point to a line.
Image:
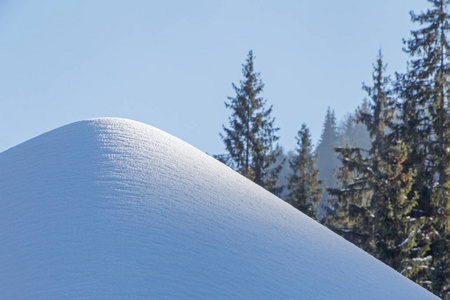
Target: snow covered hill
111	208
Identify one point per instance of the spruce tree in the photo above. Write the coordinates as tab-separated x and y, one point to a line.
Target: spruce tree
395	232
346	210
424	90
372	208
348	213
304	187
251	135
353	133
327	159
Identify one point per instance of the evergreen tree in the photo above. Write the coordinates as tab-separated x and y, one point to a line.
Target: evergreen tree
251	136
372	208
424	90
327	159
348	213
395	233
354	133
304	187
282	162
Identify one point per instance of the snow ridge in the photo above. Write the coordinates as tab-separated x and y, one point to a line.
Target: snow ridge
112	208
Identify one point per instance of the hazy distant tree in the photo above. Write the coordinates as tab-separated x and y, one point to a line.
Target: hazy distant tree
251	135
353	133
305	189
327	159
282	162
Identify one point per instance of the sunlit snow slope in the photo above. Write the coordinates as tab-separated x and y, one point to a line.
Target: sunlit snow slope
112	208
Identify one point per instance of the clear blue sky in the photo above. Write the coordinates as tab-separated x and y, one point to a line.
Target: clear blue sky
171	63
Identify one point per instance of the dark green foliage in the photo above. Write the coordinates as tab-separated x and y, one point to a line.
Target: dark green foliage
347	212
371	207
424	90
390	182
393	198
304	187
251	136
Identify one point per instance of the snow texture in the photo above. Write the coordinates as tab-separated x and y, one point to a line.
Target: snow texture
115	209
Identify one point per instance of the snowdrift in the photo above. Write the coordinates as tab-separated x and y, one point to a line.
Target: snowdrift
111	208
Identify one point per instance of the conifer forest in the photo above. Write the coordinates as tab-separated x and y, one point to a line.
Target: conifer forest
380	177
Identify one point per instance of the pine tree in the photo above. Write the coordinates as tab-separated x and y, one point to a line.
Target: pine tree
327	159
282	162
424	90
395	232
251	136
348	212
304	187
372	208
353	133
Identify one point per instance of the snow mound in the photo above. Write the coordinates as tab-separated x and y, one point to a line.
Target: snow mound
112	208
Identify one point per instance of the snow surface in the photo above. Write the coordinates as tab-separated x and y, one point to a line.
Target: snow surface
112	208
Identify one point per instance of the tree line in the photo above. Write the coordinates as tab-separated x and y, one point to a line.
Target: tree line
383	180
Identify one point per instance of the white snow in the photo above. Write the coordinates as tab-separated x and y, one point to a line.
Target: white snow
111	208
405	241
423	259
